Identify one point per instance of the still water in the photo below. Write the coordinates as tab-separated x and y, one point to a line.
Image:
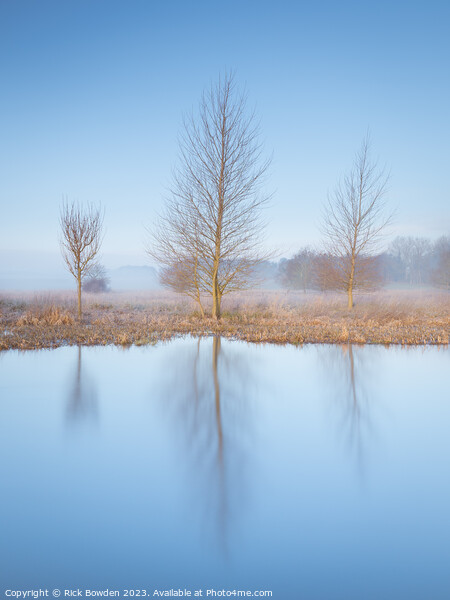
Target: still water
319	472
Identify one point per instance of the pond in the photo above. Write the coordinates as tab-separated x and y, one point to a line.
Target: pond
319	472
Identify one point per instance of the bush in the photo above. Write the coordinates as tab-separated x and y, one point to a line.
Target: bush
96	285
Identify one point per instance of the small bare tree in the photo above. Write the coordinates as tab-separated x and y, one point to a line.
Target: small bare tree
209	237
353	223
81	236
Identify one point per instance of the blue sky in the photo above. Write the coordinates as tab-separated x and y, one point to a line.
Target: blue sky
93	93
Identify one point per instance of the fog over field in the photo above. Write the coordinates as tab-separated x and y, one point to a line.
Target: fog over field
121	278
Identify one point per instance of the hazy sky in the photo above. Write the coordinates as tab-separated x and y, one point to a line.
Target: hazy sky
92	95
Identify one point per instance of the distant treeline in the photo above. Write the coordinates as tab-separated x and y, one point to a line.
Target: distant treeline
413	261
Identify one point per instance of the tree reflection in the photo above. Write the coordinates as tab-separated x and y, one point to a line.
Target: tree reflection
350	374
82	397
209	402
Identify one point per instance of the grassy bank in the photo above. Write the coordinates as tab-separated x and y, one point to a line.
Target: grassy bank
30	321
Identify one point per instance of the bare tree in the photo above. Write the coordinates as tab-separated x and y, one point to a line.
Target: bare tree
326	275
209	237
97	280
353	222
440	275
298	272
81	236
414	254
177	249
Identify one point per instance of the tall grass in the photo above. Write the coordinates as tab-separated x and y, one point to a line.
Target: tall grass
402	317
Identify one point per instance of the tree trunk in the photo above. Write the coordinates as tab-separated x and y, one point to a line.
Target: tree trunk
216	297
350	284
79	294
197	288
202	312
216	294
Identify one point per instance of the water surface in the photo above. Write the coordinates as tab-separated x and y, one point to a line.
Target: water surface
319	472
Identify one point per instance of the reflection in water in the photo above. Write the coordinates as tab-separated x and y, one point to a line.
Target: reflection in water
227	475
82	398
350	379
209	403
221	483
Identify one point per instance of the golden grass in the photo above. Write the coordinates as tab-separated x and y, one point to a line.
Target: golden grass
46	315
28	321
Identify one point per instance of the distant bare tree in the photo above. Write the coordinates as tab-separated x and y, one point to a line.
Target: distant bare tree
353	222
440	275
327	274
298	272
97	280
177	248
414	254
391	267
81	236
208	239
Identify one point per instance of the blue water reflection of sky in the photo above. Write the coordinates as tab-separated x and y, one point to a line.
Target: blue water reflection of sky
317	472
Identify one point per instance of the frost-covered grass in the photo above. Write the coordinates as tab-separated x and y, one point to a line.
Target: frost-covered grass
30	320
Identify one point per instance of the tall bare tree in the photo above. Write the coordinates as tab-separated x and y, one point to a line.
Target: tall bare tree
209	237
353	222
81	236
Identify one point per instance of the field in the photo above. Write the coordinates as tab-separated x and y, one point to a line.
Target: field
30	321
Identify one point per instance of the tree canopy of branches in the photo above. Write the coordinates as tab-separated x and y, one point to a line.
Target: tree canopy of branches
81	236
352	224
209	237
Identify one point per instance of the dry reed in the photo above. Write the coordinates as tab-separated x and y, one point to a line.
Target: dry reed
29	321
